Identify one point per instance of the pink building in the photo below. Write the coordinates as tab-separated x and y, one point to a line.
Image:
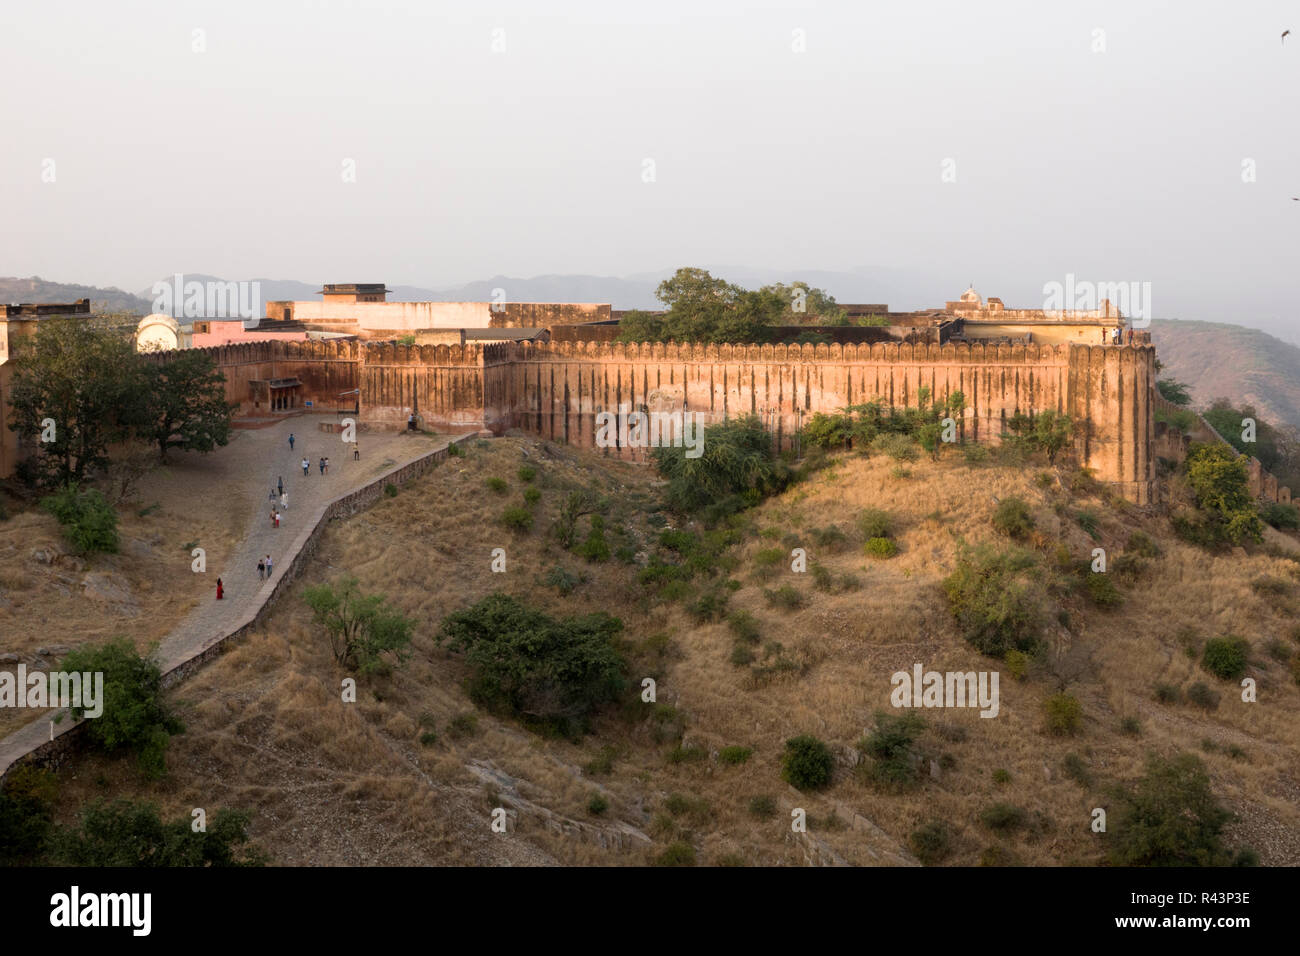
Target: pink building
230	331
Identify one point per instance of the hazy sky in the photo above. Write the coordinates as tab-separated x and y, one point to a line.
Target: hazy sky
224	152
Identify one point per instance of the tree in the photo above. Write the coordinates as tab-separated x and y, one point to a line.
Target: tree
1268	445
134	717
807	763
736	462
79	376
182	404
1169	817
361	627
123	833
525	664
1219	481
1048	432
1177	392
88	520
702	308
801	303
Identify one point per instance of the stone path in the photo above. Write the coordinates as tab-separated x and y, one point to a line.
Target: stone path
260	457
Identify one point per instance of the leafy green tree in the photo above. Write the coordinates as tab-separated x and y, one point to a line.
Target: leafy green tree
736	463
1048	432
88	521
361	627
123	833
801	303
1219	481
993	602
182	403
135	717
702	308
1176	392
807	763
544	670
1269	445
79	375
26	815
1169	817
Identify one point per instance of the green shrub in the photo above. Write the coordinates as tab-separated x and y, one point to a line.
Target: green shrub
1143	545
1047	433
898	447
1003	817
594	547
1001	776
1089	522
527	473
891	745
428	738
1169	817
362	628
555	671
931	842
390	489
88	521
762	806
880	548
597	805
1017	664
603	763
1226	657
784	597
1200	695
1077	770
1281	515
823	580
681	754
807	763
975	454
1131	726
874	523
1063	714
1168	693
532	496
996	609
677	854
830	538
517	519
744	626
736	469
135	718
463	725
1101	590
734	755
496	484
710	606
126	834
742	656
1219	482
26	814
563	580
1012	517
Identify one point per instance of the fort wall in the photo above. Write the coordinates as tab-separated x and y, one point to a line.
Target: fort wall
556	390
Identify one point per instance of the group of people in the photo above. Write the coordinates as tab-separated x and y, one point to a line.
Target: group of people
280	503
1116	335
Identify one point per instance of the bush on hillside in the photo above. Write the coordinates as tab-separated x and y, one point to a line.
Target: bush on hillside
129	834
134	717
88	521
736	468
550	671
996	608
362	628
1219	483
1226	657
891	745
1170	817
807	763
1012	517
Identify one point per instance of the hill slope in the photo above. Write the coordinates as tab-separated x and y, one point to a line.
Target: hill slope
1221	360
36	289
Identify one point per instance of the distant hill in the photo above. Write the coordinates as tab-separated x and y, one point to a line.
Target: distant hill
1221	360
36	289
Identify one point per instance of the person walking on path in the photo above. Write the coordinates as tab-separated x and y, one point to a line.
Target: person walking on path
321	466
271	496
327	466
356	452
220	590
284	502
279	484
306	468
275	517
261	569
291	441
272	516
268	567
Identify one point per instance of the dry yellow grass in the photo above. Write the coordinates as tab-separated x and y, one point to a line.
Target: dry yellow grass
335	783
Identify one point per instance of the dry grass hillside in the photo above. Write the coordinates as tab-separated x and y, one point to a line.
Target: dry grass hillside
411	772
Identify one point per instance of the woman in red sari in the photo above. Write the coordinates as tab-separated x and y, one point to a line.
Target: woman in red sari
220	589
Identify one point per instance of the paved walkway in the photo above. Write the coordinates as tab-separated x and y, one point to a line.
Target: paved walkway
262	457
